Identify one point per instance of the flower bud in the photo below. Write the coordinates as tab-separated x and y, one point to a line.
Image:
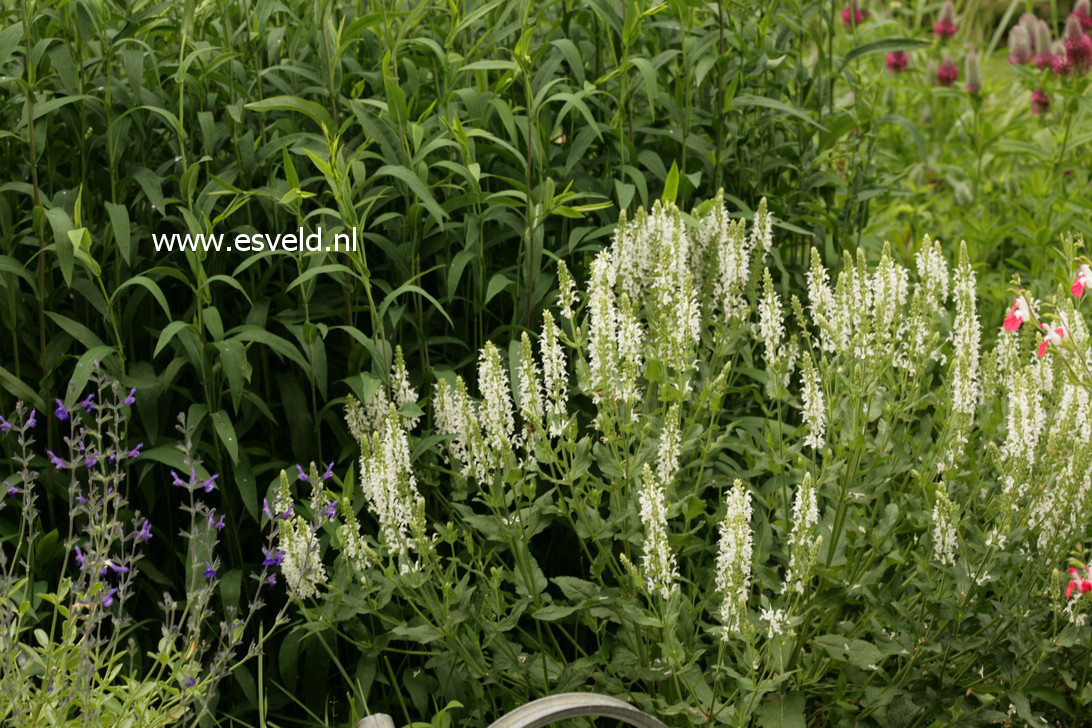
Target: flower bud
974	72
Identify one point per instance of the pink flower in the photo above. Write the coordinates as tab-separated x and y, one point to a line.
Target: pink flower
1082	281
1018	314
1069	589
1082	13
897	61
1020	51
1078	46
946	27
947	72
1052	337
1040	103
853	15
974	72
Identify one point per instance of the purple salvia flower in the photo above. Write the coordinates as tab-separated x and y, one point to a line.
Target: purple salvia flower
330	510
265	509
80	499
189	682
111	566
210	573
273	557
108	598
208	484
135	452
288	513
130	399
271	580
302	475
61	413
91	460
217	524
329	473
33	419
79	557
12	490
145	533
112	458
88	403
4	426
178	482
57	462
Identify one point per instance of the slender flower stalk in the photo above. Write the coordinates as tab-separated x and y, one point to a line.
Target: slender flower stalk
733	576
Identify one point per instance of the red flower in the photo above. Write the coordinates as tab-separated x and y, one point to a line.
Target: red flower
1018	314
1040	102
1082	281
1052	338
947	72
1083	13
897	61
853	15
946	27
1078	46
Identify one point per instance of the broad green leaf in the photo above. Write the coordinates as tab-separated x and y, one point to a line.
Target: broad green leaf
310	109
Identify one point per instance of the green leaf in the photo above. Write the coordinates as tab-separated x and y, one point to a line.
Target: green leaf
671	186
148	284
497	283
119	221
414	183
748	100
310	109
20	390
226	432
9	41
882	46
236	369
787	712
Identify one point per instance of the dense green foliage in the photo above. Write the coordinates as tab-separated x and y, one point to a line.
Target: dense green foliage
473	145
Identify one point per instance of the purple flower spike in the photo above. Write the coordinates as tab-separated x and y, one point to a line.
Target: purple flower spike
79	557
108	598
130	399
4	426
329	473
57	462
208	484
302	475
88	403
61	413
189	682
12	490
210	573
178	482
273	557
145	533
330	510
135	452
33	419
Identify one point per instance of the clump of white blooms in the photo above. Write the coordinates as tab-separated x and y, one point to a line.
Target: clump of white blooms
804	542
771	325
363	419
919	339
775	620
815	412
566	290
630	345
729	249
456	415
762	230
890	286
658	560
733	577
555	377
496	411
390	487
531	407
302	561
667	459
403	391
944	528
963	375
602	328
353	547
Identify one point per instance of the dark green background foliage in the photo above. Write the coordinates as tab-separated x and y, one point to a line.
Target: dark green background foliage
472	144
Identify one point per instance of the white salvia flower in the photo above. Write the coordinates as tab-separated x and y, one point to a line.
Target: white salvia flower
966	339
821	305
496	412
602	347
631	254
302	562
376	409
732	248
932	269
356	418
566	290
531	407
775	620
733	576
804	542
771	327
667	461
456	415
404	392
1026	420
658	560
390	488
353	548
555	376
815	411
944	529
629	346
762	230
889	284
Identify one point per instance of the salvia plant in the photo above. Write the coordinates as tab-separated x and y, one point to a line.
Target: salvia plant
67	655
724	502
